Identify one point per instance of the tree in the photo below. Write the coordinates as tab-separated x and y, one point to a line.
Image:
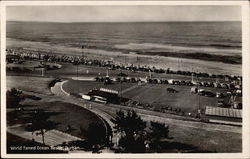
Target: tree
133	143
132	126
156	133
95	135
119	121
13	98
136	136
129	123
40	122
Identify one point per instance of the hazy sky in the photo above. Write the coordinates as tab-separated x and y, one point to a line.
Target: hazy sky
123	13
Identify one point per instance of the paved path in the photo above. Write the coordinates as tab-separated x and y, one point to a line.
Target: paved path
51	137
57	89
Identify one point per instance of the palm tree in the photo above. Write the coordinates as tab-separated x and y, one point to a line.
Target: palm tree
40	122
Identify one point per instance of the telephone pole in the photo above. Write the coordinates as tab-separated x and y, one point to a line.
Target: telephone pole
77	71
82	51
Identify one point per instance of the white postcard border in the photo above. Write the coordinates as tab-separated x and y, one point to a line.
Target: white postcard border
245	74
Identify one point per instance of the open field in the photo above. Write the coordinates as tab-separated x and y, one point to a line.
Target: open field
153	94
158	96
30	84
67	114
213	141
24	64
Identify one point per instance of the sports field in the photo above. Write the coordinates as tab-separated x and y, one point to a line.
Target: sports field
153	94
158	96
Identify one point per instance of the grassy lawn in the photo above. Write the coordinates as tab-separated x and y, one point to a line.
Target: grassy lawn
30	84
158	96
25	64
212	141
153	94
64	114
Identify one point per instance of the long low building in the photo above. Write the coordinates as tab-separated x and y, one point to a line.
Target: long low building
224	115
104	95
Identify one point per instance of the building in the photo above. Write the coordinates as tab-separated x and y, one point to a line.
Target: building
104	95
224	115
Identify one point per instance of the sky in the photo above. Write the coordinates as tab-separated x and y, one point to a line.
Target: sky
120	13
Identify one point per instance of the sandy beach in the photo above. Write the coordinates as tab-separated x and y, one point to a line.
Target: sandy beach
119	57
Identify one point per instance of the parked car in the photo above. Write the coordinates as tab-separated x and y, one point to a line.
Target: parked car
219	95
221	103
171	90
209	94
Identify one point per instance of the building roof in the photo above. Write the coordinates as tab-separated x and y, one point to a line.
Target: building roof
223	112
103	94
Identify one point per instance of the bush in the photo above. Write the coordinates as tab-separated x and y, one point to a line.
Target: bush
53	82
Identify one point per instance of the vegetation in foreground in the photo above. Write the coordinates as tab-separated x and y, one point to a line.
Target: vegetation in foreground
138	136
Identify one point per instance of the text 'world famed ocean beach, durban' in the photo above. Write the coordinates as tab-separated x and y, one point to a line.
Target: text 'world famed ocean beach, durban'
124	79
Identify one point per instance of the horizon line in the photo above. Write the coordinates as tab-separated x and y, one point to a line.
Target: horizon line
120	21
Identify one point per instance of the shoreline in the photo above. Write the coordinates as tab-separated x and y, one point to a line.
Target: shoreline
175	63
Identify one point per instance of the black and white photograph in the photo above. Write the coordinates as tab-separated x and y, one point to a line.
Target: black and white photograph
145	78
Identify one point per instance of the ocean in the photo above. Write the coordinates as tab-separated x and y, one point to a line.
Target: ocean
218	39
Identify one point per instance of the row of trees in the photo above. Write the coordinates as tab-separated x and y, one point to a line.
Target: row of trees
137	136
